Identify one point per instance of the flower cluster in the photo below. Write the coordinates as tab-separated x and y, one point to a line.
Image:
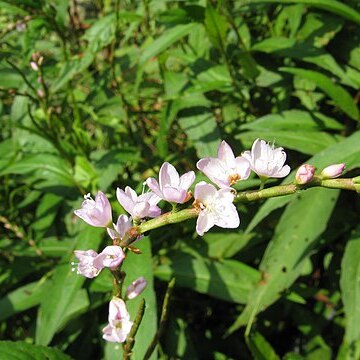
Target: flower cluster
214	205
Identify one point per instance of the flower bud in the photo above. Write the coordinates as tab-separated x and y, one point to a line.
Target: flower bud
304	174
333	171
34	66
136	288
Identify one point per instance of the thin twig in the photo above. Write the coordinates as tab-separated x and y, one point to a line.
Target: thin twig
130	342
163	319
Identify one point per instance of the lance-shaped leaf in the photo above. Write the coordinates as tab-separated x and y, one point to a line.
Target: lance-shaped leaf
350	293
60	301
296	235
216	27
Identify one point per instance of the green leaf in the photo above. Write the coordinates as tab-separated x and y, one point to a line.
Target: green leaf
165	40
63	289
203	131
70	69
216	27
273	44
306	142
333	6
101	33
46	213
350	293
294	120
339	95
228	280
23	298
224	245
85	173
21	350
295	236
44	165
260	348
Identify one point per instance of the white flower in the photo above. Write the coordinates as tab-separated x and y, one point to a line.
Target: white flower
138	206
226	169
216	208
267	161
119	322
171	187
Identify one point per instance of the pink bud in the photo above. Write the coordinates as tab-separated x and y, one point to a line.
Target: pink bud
34	66
304	174
333	171
40	93
136	288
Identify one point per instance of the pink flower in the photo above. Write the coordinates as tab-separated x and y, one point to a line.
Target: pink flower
86	266
333	171
95	212
304	174
216	208
111	257
172	188
123	224
267	161
119	322
226	169
138	206
136	288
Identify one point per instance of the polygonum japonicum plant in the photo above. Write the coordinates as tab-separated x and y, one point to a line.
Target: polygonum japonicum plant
212	204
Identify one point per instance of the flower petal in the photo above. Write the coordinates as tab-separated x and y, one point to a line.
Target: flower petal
204	191
204	222
186	180
174	195
125	199
154	186
168	176
123	224
214	169
226	154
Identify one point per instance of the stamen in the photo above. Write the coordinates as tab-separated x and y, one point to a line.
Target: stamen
88	196
234	178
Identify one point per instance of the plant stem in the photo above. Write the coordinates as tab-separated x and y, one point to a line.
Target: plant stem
244	197
163	319
130	342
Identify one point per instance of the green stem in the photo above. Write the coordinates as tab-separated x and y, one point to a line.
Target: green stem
130	342
244	197
163	319
28	83
118	280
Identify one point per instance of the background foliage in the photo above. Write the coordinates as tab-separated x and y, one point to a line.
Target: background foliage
126	85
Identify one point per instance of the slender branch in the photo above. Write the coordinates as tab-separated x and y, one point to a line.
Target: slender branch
130	342
118	280
352	184
163	319
28	83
